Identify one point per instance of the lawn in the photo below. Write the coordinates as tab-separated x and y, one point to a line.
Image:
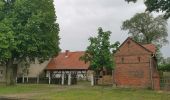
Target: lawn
79	92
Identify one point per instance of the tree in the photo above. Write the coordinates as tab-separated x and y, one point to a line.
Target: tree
100	52
144	28
164	65
157	5
28	31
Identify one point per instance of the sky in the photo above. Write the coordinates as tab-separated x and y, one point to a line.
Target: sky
80	19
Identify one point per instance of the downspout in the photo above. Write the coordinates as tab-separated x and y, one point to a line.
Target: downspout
151	73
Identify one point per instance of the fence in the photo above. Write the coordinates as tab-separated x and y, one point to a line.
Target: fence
44	80
32	80
165	83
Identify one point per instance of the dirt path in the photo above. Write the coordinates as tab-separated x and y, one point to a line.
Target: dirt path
21	96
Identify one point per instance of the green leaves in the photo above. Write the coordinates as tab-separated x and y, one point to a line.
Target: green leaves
7	40
28	29
99	52
144	28
164	67
157	5
7	43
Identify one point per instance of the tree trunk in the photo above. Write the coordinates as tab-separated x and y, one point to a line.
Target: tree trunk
10	72
97	76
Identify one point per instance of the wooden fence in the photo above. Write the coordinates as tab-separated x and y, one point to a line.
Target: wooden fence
165	83
43	80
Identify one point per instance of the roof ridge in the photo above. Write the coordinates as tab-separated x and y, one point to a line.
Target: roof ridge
72	51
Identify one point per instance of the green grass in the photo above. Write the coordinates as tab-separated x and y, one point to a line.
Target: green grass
18	89
80	92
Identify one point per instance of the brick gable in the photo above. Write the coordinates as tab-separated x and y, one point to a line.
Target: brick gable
130	47
135	65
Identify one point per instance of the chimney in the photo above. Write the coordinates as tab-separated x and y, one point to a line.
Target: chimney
66	53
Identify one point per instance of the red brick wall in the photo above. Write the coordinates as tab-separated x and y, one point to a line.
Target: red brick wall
131	49
133	66
156	77
106	80
133	75
156	84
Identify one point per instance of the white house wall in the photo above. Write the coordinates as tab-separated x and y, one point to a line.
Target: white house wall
34	70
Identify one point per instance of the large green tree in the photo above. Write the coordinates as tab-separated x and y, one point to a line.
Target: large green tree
100	52
28	31
157	5
145	28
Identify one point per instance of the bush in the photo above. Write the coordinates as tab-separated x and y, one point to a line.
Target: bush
164	67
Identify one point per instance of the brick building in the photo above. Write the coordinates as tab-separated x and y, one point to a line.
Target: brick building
136	65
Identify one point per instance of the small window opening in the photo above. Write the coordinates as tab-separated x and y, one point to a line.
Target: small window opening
122	60
139	59
128	44
1	73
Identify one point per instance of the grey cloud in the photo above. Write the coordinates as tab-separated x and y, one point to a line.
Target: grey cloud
79	19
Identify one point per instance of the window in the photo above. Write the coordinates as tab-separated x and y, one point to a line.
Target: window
128	44
139	59
1	73
122	60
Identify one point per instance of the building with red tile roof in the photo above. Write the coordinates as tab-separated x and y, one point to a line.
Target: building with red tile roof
68	61
67	66
135	65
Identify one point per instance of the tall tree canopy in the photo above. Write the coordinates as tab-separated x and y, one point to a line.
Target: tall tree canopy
157	5
144	28
28	30
100	52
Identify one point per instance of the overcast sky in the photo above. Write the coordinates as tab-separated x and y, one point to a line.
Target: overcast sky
80	19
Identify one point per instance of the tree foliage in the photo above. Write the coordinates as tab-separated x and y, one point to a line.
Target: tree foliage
144	28
164	67
157	5
100	51
28	30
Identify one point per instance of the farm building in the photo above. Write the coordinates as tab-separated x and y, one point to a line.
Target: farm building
67	67
136	65
24	74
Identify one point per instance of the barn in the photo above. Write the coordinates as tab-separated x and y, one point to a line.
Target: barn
67	67
136	65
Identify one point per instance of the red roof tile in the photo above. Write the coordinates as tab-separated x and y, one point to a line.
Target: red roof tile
150	47
67	61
